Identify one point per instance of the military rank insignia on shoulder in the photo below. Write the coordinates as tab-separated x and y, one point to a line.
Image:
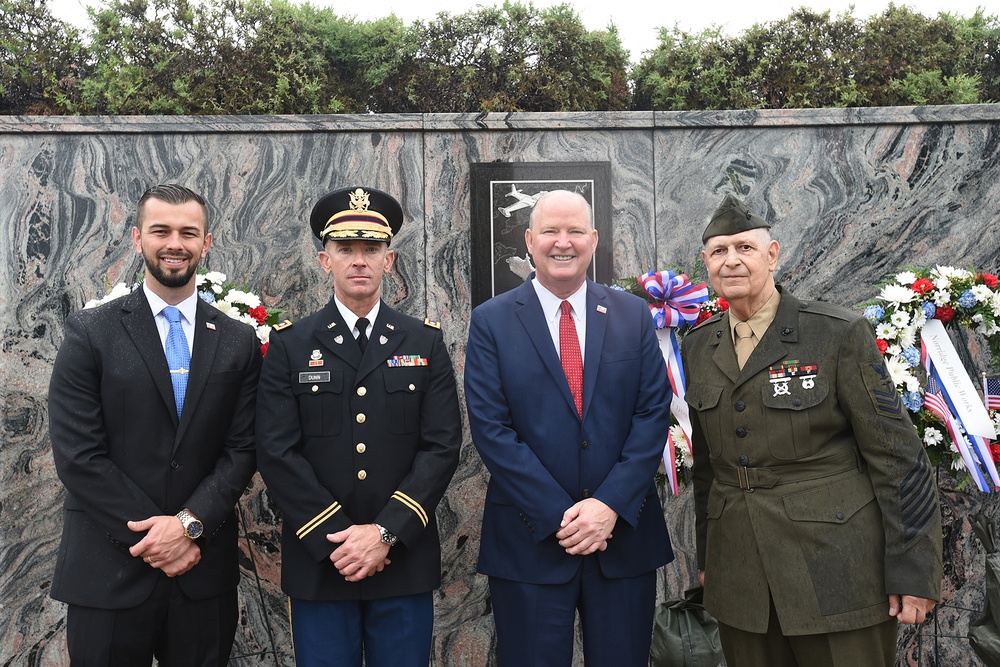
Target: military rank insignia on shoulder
432	324
284	324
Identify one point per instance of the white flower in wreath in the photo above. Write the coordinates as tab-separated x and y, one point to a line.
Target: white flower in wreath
120	289
906	277
908	336
942	297
681	449
950	273
885	331
900	373
982	293
932	436
228	309
897	294
237	296
900	318
216	278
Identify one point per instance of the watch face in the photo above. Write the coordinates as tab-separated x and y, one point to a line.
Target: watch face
387	537
195	529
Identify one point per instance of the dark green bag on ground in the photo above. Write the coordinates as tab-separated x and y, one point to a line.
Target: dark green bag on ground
984	634
684	634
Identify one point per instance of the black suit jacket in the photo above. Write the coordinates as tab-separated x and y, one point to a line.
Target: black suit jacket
122	454
346	439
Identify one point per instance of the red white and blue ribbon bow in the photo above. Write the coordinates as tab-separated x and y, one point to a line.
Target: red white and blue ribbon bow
677	300
677	303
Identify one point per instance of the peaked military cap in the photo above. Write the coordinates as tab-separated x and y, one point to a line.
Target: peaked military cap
356	213
732	217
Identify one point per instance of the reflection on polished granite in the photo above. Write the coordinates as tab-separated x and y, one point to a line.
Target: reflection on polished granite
853	194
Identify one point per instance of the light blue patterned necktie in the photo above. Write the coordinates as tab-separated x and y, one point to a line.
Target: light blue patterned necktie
178	356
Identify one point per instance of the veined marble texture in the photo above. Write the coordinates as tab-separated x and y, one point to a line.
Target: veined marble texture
853	195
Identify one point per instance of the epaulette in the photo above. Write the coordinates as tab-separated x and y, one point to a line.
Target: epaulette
430	323
714	318
829	309
284	324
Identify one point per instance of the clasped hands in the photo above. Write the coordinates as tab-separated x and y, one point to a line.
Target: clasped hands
165	546
586	527
361	553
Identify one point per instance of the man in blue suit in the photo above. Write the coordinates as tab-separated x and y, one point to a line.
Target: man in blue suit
569	406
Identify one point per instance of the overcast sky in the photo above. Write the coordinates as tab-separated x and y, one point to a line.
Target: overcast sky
637	20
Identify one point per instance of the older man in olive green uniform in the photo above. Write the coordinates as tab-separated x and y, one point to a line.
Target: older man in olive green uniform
817	516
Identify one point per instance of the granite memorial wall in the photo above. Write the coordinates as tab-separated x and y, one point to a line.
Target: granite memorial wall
853	195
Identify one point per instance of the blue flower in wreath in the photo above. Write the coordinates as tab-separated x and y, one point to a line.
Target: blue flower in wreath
911	356
967	300
207	297
913	400
929	309
874	314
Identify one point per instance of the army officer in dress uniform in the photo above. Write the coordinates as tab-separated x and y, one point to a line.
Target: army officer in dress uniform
817	516
358	436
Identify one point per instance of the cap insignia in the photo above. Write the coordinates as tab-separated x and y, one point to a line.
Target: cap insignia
359	200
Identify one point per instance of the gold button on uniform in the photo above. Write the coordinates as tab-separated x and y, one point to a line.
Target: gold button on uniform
360	418
362	474
361	448
412	387
362	391
315	388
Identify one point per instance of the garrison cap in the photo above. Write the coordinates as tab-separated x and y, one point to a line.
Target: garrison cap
356	213
732	217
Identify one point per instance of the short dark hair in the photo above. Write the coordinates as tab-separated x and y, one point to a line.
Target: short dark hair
170	193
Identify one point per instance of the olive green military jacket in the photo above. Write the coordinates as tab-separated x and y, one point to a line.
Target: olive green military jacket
809	478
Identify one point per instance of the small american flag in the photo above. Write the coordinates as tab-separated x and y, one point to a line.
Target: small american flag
934	401
991	392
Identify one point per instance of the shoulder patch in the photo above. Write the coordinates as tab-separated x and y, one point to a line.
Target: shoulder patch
881	390
432	324
284	324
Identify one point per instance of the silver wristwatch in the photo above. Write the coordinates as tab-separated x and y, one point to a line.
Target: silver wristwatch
387	537
193	527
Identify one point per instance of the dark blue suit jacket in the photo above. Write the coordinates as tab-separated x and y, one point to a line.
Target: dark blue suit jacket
543	458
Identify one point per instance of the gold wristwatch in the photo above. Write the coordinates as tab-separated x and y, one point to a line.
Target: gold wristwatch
193	527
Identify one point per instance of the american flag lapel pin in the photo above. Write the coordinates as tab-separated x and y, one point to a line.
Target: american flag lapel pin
602	310
210	326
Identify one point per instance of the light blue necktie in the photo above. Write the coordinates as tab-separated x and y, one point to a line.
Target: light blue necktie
178	356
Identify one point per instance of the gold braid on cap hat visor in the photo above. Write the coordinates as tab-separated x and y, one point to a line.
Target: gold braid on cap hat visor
357	224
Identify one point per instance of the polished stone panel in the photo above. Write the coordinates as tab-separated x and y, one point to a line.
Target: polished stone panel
853	194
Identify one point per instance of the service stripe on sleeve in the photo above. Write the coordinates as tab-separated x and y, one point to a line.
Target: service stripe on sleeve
413	505
317	520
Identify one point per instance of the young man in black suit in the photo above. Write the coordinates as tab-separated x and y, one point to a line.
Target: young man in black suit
151	418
